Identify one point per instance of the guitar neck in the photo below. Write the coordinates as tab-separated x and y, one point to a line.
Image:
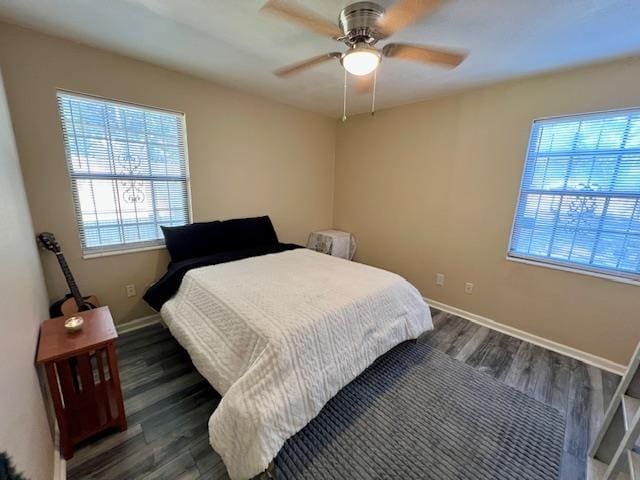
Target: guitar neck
71	282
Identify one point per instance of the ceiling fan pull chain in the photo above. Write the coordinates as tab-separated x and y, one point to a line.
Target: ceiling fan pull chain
344	99
373	99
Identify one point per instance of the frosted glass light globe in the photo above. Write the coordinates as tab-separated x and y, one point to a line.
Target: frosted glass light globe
361	60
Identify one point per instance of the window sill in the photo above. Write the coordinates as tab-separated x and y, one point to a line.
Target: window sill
564	268
124	251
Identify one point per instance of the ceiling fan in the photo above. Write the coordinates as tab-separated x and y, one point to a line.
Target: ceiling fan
361	26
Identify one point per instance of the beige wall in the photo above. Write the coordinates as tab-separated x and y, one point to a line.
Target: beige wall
247	156
427	188
431	187
24	431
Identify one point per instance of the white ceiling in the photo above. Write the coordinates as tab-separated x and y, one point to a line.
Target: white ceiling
232	43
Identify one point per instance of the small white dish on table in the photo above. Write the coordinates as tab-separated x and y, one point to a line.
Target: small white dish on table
73	324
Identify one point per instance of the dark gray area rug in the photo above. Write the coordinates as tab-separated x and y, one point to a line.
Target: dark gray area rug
418	413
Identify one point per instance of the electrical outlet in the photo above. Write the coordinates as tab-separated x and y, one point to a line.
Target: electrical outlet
468	288
131	290
440	279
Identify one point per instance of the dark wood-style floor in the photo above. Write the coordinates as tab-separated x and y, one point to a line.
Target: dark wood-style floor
168	403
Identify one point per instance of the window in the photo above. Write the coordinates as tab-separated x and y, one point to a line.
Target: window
128	172
579	203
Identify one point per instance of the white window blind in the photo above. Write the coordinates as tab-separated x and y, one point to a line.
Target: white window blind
128	171
579	203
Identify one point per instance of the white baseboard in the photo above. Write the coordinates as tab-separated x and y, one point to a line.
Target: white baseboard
138	323
59	463
59	467
585	357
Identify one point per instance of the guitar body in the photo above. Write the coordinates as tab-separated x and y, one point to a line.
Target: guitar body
68	306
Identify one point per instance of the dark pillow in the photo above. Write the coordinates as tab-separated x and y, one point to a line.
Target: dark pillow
194	240
248	233
207	238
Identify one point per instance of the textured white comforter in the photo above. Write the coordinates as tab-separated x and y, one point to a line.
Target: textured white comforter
279	335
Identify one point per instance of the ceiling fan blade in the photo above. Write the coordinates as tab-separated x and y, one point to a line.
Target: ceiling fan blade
405	12
418	53
308	63
363	83
302	16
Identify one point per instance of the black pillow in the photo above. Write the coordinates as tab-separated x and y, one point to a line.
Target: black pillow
207	238
241	233
194	240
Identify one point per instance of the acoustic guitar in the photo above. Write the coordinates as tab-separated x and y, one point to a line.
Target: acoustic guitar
72	302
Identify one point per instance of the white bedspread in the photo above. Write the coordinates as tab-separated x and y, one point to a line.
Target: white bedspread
279	335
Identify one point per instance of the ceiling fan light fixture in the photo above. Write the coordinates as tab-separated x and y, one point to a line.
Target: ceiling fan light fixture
361	60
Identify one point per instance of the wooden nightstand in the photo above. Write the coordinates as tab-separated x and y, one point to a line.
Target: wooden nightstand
83	378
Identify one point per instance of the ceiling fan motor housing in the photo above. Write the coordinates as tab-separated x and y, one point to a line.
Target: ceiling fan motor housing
358	22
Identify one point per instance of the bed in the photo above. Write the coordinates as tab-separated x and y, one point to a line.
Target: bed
278	330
